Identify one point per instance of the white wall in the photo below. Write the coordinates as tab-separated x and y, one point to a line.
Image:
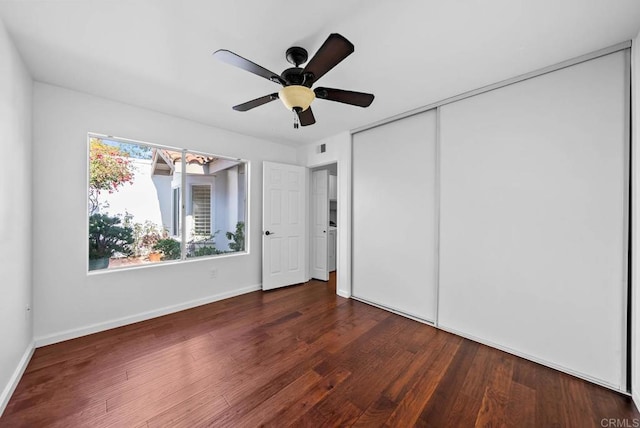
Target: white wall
635	238
338	149
15	216
68	301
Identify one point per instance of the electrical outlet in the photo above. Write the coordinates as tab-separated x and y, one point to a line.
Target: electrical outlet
213	273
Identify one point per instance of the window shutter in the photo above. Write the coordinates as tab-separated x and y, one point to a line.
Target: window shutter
201	202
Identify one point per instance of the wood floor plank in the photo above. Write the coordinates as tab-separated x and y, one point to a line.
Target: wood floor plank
495	400
299	356
194	410
278	402
305	402
377	413
469	400
420	362
548	403
344	414
521	408
438	410
410	407
260	390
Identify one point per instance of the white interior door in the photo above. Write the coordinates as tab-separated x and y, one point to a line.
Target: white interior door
284	243
320	224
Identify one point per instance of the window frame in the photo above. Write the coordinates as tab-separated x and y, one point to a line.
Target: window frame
182	226
176	211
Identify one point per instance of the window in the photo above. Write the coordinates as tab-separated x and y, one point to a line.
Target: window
140	195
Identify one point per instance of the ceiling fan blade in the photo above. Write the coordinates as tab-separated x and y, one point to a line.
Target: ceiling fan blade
333	50
243	63
256	103
360	99
306	117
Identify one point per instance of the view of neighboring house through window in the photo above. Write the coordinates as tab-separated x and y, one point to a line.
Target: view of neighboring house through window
149	204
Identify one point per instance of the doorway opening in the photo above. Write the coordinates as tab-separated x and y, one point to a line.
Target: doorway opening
324	222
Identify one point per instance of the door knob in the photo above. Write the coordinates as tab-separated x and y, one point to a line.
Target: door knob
267	233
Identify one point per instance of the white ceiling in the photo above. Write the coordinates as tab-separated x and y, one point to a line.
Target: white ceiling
410	53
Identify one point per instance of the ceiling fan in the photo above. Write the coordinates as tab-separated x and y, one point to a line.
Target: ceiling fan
296	93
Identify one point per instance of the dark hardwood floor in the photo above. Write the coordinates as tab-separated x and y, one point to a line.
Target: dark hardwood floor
299	356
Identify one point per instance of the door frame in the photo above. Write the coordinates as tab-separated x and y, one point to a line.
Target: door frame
341	200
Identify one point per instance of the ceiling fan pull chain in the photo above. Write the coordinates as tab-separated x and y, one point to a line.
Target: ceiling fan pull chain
296	121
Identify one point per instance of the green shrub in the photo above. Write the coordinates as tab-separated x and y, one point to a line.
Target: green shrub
208	250
237	239
107	236
170	248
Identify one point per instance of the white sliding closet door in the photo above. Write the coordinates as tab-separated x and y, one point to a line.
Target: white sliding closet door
533	216
394	215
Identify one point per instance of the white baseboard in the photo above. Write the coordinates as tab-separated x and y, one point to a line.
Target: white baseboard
119	322
343	293
635	395
7	392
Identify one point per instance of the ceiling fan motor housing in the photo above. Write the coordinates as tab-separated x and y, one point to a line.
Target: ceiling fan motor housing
294	76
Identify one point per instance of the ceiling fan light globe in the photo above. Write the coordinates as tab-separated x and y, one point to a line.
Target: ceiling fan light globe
296	96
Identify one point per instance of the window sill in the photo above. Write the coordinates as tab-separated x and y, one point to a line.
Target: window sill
167	263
